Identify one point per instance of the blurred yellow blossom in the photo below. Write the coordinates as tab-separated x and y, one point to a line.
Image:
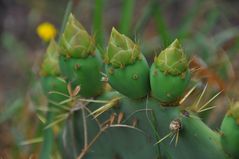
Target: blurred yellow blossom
46	31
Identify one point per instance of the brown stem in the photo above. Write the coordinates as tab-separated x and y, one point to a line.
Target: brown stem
85	150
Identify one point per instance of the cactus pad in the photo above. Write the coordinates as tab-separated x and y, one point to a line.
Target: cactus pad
127	68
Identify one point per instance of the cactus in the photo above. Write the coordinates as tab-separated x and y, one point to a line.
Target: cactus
169	74
230	131
127	68
127	122
80	62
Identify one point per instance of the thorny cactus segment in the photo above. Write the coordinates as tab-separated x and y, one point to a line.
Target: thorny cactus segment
132	81
172	60
230	132
127	68
169	75
75	41
167	89
121	50
80	62
85	73
50	65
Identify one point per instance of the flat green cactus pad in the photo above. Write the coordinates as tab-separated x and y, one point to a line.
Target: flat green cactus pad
138	139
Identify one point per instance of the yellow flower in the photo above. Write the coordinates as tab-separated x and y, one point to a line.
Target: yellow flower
46	31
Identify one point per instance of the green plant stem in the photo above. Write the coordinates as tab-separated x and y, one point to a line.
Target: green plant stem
161	26
144	19
97	22
126	17
48	139
212	18
66	15
188	20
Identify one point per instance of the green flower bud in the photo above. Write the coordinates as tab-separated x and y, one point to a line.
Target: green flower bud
49	66
75	40
172	60
121	50
230	131
127	68
169	74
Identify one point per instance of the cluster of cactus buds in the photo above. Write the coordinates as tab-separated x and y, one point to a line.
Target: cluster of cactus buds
138	119
128	70
126	66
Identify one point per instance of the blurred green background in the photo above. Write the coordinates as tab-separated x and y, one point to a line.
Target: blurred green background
208	30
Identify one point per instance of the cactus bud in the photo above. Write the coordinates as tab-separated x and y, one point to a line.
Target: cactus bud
75	41
230	131
172	60
50	73
127	68
49	66
169	74
121	51
80	63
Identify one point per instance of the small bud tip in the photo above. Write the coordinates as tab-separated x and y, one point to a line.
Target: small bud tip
175	44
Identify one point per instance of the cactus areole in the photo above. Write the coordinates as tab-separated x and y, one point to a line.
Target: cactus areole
80	62
169	74
127	68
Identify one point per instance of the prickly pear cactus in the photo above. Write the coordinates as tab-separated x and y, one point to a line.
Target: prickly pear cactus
141	116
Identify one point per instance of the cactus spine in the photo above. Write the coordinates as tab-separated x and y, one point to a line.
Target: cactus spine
80	62
169	74
126	68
